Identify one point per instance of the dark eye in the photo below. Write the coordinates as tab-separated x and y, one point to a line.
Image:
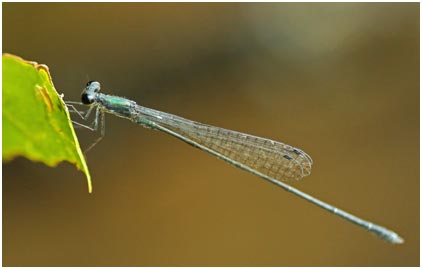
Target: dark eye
87	99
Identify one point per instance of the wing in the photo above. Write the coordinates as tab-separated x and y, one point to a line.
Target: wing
271	158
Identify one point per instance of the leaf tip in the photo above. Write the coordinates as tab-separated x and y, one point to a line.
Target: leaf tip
88	179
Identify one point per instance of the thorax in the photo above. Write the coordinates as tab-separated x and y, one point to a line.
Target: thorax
115	105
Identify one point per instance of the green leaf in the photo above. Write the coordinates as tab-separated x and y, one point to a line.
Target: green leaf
36	122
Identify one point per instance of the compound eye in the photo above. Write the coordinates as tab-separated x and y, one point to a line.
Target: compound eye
87	99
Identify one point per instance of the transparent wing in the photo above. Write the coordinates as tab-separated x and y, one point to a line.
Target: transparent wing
271	158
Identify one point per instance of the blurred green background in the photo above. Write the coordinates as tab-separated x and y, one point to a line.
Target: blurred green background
340	81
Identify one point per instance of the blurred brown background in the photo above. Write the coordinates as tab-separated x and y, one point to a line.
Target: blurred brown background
340	81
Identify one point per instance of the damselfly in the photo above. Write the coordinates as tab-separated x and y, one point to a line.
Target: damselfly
271	160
